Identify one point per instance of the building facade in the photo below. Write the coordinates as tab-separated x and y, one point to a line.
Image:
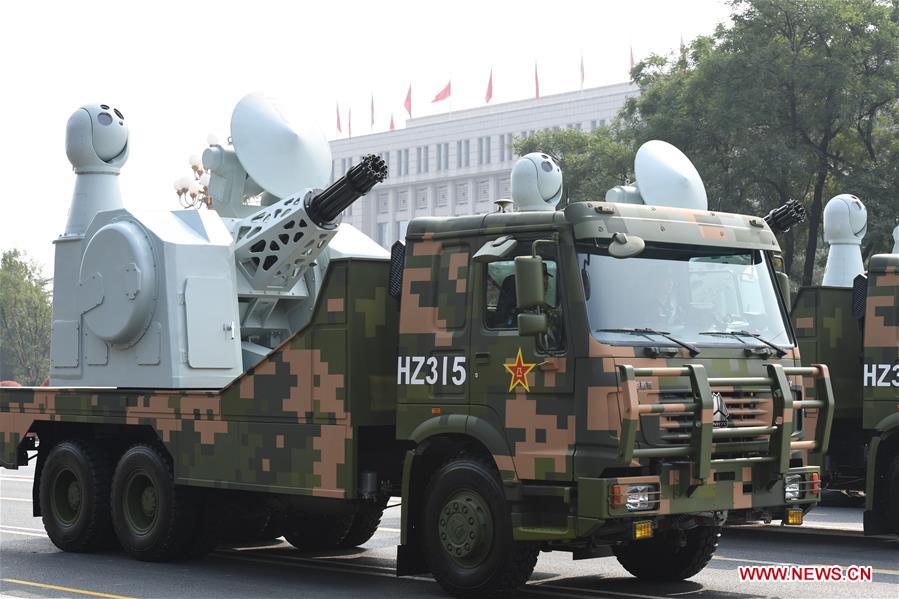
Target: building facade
460	162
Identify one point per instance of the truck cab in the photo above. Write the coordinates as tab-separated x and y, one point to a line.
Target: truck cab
660	390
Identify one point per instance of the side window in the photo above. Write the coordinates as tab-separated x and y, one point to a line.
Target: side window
501	303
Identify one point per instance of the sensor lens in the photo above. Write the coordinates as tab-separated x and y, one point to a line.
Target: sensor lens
104	118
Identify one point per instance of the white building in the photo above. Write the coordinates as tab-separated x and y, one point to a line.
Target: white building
459	162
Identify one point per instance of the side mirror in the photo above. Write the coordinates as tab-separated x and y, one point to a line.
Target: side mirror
532	325
626	246
529	282
783	281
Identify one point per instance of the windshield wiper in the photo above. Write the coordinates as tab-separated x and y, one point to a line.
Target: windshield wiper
694	351
780	351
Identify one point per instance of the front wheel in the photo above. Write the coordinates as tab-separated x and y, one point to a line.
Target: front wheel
671	555
468	532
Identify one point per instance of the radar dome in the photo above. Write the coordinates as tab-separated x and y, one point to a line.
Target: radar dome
666	177
97	138
845	220
283	156
536	182
896	240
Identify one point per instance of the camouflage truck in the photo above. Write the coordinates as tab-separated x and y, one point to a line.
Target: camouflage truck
607	379
856	331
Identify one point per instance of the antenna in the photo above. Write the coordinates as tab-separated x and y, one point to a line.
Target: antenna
282	156
666	177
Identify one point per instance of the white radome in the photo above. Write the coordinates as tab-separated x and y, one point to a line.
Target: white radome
536	182
845	225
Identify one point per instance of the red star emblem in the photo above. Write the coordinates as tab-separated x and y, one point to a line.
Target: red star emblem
519	371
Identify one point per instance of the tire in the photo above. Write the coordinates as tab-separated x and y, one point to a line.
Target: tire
365	524
671	555
154	519
467	532
317	532
74	496
892	505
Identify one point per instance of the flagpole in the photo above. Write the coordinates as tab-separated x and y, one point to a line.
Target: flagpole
451	92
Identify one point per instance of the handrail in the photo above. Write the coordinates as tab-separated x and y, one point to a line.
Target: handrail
702	445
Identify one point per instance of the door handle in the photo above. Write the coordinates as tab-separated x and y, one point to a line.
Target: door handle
482	357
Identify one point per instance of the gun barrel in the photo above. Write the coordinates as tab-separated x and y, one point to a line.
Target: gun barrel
325	207
781	219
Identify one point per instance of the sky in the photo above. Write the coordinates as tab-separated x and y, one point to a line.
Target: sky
176	70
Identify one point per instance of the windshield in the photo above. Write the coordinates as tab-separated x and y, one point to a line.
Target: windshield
702	296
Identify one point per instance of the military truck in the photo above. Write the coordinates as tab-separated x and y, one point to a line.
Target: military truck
851	322
607	379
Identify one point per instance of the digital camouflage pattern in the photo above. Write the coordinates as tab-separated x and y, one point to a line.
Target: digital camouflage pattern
287	425
583	416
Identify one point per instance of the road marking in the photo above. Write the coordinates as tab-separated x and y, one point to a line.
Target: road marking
15	499
66	589
16	479
19	532
21	528
385	529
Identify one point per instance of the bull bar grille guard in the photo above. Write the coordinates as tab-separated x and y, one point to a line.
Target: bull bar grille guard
700	449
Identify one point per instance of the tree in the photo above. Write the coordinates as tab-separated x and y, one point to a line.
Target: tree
591	163
25	315
796	99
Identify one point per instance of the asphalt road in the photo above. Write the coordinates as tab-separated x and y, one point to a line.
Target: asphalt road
31	566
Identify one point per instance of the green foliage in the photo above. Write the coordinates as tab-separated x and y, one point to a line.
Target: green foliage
797	99
25	315
591	163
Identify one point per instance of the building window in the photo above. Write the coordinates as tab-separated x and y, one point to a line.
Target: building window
593	125
505	189
483	191
383	202
459	154
421	197
480	150
446	156
509	143
406	161
466	152
418	160
349	210
602	122
382	234
402	201
401	228
439	157
424	153
461	193
487	149
442	195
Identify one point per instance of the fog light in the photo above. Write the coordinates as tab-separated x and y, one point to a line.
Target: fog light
794	517
643	529
816	483
791	487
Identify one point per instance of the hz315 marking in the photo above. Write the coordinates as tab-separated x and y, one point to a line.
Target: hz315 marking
421	370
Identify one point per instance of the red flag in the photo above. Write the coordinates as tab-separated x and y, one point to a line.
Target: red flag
489	95
582	70
339	130
349	124
536	83
444	93
391	122
408	102
632	57
373	112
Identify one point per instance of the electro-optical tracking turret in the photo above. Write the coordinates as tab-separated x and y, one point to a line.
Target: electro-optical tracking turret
193	298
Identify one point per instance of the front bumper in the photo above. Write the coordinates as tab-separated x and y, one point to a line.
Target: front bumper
727	489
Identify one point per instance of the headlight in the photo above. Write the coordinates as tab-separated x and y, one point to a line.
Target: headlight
636	497
791	487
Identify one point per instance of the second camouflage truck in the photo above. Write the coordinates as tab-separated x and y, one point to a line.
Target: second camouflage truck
608	379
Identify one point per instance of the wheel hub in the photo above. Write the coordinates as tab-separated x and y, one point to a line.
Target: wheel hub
66	497
465	528
148	502
141	503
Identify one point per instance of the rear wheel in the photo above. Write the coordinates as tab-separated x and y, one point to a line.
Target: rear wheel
312	532
154	519
365	524
671	555
74	496
468	532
